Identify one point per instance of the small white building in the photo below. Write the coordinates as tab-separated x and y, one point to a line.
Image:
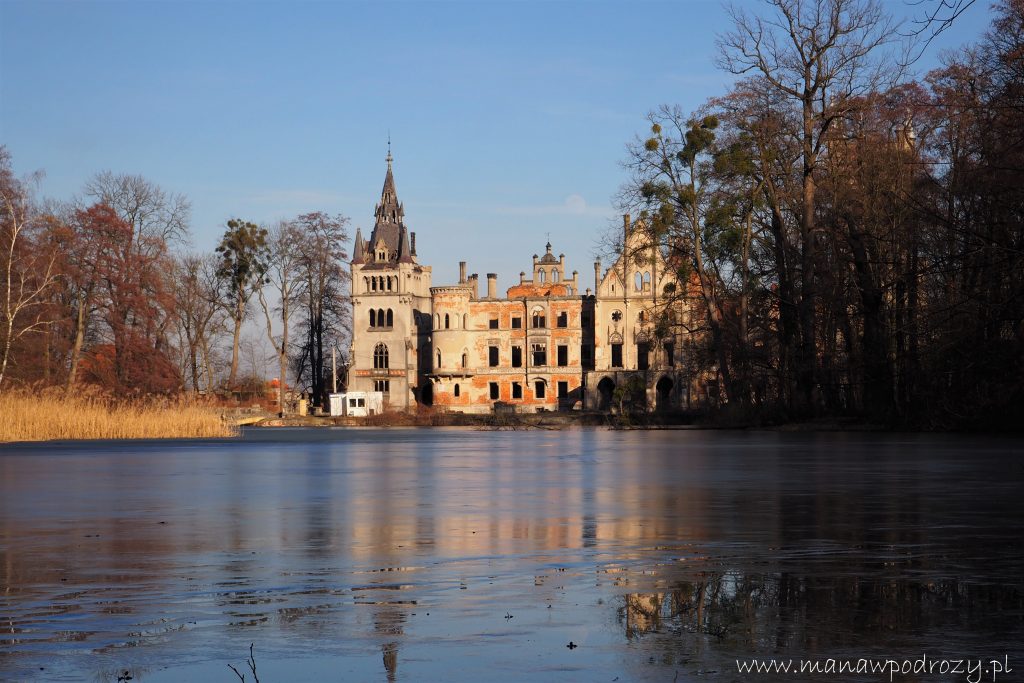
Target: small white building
357	403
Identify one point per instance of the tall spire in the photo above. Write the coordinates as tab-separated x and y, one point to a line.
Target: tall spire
358	248
389	220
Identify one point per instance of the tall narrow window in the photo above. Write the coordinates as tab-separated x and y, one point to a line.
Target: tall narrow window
380	317
492	356
438	366
563	319
517	390
643	352
390	318
542	275
616	355
538	389
563	389
456	392
494	390
447	321
465	359
380	357
540	355
670	354
563	356
373	318
517	356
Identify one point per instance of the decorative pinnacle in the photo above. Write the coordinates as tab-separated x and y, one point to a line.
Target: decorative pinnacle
389	151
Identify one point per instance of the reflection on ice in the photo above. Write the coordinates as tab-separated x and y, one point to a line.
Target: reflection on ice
415	554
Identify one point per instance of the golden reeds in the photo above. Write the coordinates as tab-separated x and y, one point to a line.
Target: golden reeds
51	415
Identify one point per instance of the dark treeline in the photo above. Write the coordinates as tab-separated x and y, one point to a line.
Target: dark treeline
103	290
854	238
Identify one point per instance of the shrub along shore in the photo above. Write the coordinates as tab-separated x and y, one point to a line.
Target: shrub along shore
52	416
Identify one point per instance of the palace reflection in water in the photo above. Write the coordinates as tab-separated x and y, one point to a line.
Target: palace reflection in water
413	554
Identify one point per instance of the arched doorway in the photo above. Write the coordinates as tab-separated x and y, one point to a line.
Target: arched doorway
605	388
427	394
663	389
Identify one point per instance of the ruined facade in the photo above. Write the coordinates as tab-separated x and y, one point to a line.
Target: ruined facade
545	344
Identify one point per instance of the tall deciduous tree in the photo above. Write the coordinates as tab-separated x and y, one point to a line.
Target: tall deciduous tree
325	294
243	265
821	56
285	276
26	268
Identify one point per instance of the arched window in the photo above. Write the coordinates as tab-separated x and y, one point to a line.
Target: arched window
437	321
373	284
390	318
366	284
642	317
538	317
465	359
456	392
554	275
465	321
389	282
638	282
542	275
647	282
380	317
568	290
380	356
373	318
438	366
446	323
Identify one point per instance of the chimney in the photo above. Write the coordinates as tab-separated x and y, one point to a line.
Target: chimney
492	285
413	244
462	272
474	281
561	262
522	276
597	276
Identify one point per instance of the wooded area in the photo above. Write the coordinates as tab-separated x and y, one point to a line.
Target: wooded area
855	238
103	290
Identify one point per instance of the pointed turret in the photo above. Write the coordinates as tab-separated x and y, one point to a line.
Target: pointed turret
358	248
389	222
404	252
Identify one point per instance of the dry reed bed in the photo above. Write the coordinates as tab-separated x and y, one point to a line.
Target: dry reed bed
52	416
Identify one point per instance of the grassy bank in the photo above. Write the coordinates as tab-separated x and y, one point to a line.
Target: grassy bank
50	415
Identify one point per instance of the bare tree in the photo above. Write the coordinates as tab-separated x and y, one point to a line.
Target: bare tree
199	313
285	276
823	57
26	267
152	212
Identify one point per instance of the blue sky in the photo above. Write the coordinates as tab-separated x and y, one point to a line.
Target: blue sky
508	120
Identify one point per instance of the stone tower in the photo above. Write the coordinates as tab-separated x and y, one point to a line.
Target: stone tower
391	307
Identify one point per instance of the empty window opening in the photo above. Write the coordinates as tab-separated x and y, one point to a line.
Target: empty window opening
540	355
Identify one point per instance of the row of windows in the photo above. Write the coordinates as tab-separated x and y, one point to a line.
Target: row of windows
380	283
381	318
539	390
538	320
539	356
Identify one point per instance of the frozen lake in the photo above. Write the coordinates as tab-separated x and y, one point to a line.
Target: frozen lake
449	554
